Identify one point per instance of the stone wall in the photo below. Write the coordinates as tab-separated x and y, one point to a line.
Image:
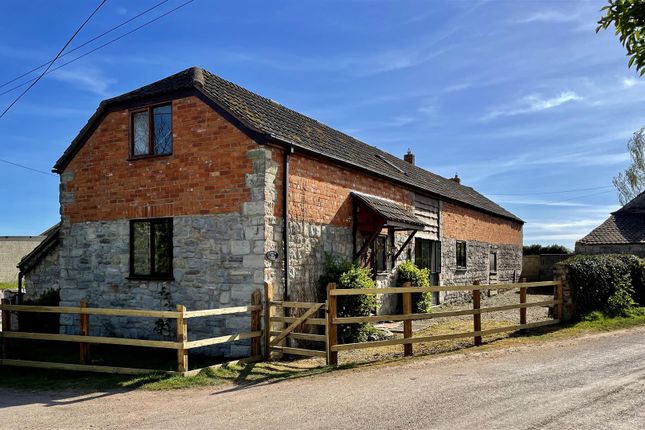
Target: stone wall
509	265
634	249
218	261
44	276
308	245
12	249
561	273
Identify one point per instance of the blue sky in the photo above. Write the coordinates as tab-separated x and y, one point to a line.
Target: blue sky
521	98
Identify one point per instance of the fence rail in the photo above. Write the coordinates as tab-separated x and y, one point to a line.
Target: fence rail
407	316
278	329
182	345
275	338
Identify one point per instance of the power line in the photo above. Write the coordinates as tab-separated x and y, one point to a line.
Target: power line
27	167
55	58
86	42
85	54
551	192
102	46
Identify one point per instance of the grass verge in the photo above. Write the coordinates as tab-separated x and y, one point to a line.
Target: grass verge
40	379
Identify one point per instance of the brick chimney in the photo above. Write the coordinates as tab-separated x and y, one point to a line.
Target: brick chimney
457	179
409	157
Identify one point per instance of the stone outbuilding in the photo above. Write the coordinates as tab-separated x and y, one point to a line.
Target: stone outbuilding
193	190
622	233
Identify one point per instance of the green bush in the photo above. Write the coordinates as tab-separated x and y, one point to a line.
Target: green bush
348	275
537	249
609	283
409	272
621	301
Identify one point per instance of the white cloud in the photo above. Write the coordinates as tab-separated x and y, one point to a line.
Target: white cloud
533	103
538	104
86	78
548	16
567	225
629	82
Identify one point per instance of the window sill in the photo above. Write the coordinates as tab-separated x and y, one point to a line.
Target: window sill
150	278
461	269
147	157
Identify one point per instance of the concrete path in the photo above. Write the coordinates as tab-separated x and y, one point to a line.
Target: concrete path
592	382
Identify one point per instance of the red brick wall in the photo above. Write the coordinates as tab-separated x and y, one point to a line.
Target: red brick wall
204	175
319	191
459	222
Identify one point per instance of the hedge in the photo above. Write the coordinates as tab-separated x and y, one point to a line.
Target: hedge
609	283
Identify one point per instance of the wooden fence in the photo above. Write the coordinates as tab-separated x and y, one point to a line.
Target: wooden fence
182	345
274	339
333	321
291	326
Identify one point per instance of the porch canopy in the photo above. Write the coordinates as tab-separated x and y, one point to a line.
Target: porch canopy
373	214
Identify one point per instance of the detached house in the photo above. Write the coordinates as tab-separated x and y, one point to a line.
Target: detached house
194	190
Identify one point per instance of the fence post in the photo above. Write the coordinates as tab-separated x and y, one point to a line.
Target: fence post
522	302
407	324
477	317
256	322
84	330
182	336
268	313
559	292
6	326
332	328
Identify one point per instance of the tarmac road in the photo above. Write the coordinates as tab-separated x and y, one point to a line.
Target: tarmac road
596	381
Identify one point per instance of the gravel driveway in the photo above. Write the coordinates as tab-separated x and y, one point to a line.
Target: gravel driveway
596	381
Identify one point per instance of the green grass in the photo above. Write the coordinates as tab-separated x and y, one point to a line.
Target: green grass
8	286
40	379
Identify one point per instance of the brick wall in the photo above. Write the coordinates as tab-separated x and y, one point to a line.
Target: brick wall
204	175
319	191
459	222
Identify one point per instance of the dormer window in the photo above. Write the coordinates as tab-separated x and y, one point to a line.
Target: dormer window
151	131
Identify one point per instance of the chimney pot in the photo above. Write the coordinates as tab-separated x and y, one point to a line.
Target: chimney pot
457	179
409	157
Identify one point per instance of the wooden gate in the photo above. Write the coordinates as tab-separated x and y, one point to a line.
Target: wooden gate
291	327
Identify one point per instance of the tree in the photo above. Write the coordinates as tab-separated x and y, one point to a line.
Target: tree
537	249
631	182
628	16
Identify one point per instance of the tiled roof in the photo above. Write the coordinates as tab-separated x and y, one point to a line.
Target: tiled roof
389	210
626	225
274	121
50	242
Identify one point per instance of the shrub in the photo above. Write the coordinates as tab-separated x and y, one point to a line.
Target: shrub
537	249
332	270
609	283
621	301
409	272
41	322
348	275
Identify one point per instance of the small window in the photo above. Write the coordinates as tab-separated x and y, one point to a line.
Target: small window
461	255
380	253
151	248
152	131
427	254
492	262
